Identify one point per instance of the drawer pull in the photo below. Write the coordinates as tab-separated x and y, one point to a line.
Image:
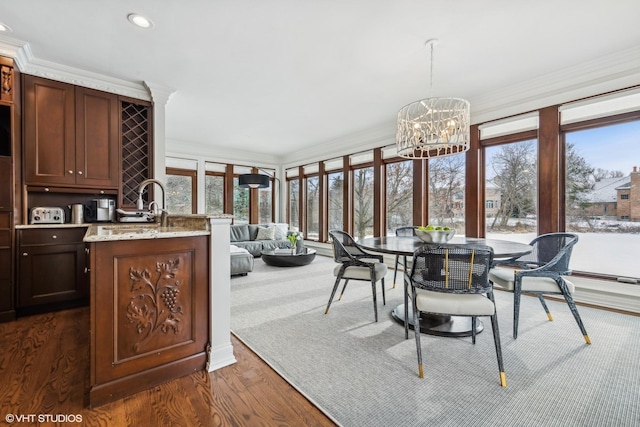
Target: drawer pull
79	172
25	254
54	237
71	172
86	270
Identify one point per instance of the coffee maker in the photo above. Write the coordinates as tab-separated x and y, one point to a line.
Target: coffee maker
100	210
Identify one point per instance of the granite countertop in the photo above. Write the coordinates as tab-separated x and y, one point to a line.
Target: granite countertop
106	233
29	226
178	226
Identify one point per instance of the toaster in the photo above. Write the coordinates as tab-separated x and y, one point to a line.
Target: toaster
47	215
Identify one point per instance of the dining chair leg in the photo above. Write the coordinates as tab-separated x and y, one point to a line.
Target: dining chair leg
343	288
406	306
375	300
416	329
384	298
496	341
574	310
333	293
516	307
395	270
544	305
473	329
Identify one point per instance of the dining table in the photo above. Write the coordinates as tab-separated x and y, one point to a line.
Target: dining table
438	324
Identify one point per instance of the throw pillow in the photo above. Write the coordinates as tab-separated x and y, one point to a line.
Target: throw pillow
281	230
266	233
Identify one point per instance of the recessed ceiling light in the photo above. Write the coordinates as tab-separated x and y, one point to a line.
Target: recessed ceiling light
139	20
5	28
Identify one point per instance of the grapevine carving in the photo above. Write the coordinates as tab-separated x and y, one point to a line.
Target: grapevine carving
6	80
154	303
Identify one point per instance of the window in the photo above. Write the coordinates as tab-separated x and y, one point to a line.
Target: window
240	203
313	207
602	187
181	191
335	182
294	203
511	180
399	191
214	193
446	192
363	202
489	205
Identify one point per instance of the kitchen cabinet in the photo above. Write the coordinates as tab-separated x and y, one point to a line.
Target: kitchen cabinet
52	268
149	313
71	135
9	194
6	280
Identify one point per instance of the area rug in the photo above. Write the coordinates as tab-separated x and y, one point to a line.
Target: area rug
363	373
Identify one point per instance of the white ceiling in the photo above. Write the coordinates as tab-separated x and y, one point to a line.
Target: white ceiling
276	76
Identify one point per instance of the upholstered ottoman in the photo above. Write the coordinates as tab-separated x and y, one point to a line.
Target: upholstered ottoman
241	261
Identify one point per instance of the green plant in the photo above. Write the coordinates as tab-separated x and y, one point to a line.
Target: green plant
293	238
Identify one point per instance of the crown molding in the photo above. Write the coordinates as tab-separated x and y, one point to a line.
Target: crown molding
616	71
160	94
366	139
198	150
11	48
29	64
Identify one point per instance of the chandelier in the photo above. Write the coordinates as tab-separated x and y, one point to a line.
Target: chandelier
433	127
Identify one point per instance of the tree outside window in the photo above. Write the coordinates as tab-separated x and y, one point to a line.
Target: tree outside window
511	178
335	200
214	193
446	191
181	190
399	189
363	203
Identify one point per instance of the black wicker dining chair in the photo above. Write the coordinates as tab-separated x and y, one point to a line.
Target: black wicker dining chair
355	264
541	272
406	231
454	280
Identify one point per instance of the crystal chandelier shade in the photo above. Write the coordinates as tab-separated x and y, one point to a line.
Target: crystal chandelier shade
433	127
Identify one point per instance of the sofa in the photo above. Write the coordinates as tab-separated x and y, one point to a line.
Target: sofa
257	237
241	261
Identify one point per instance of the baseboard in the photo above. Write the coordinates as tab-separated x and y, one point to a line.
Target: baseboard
220	357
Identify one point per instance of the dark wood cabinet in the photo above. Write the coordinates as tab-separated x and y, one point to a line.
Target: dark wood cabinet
71	135
7	311
9	192
52	268
149	313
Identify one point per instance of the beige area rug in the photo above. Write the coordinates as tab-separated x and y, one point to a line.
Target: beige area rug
364	373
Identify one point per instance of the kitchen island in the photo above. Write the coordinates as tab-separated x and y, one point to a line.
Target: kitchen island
159	302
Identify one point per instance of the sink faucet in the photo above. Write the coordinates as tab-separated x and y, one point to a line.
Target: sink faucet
140	204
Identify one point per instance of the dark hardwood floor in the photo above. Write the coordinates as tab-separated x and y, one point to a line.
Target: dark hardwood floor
44	370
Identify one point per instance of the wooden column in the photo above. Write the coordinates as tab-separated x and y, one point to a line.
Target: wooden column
549	183
474	187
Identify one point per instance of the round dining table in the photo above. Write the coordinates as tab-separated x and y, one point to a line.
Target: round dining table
437	324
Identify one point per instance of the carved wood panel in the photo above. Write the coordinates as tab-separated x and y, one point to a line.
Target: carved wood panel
6	83
149	304
155	308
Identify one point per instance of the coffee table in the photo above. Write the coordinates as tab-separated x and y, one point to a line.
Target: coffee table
289	258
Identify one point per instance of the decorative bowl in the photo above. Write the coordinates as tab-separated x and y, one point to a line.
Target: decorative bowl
435	236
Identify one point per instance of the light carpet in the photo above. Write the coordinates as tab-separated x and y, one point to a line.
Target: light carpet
363	373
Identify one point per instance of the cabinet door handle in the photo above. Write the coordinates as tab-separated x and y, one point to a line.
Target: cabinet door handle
79	172
71	172
87	269
25	254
